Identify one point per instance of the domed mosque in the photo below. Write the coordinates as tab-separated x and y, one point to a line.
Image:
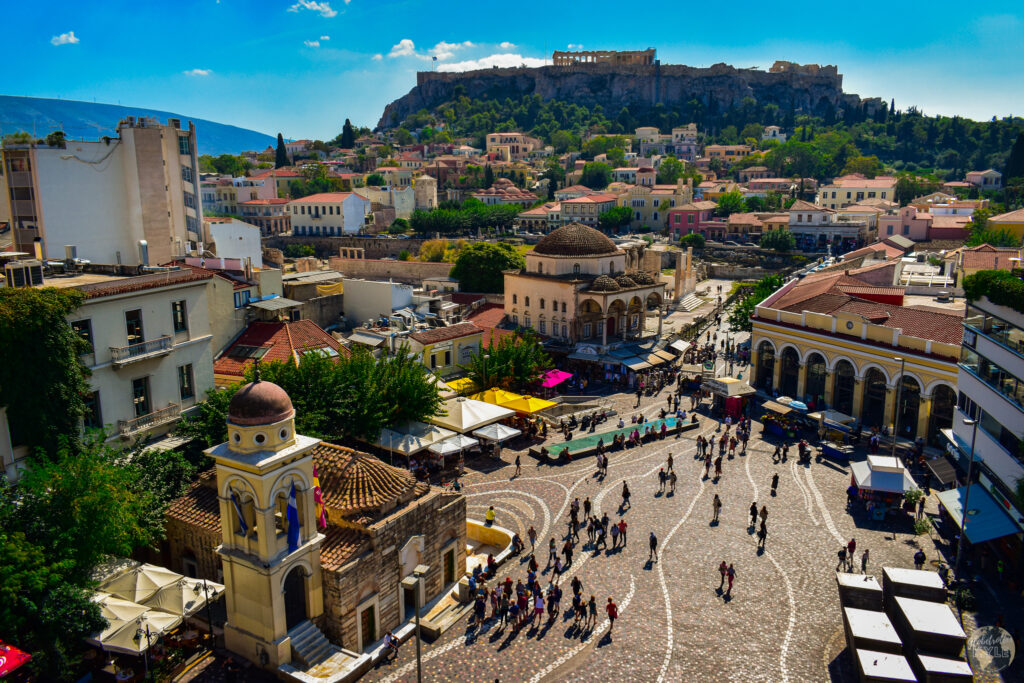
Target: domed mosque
314	542
580	286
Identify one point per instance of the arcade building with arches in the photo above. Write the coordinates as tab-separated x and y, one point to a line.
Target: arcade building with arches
580	286
839	340
329	592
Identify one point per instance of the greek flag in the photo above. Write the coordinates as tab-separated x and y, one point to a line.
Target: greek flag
293	521
238	510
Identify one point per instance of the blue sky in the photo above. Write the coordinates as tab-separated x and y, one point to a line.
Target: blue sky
302	66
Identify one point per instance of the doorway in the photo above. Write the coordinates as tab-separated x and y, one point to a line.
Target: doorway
368	626
294	598
449	567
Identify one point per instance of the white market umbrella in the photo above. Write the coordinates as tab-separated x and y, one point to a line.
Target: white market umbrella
466	414
496	432
405	444
117	612
184	597
452	445
131	638
140	583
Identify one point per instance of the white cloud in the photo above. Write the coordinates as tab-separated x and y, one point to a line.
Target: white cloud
403	48
498	60
68	38
505	45
444	50
325	37
311	43
377	57
573	46
323	8
198	72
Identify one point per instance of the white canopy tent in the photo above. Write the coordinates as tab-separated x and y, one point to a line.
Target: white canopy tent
496	432
117	612
411	437
140	583
881	473
185	596
134	636
467	414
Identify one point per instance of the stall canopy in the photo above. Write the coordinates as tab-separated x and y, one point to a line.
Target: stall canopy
552	378
942	469
11	658
776	407
496	396
452	445
139	583
881	473
411	437
131	637
680	345
528	405
636	363
728	386
987	519
467	414
462	385
117	612
496	432
184	597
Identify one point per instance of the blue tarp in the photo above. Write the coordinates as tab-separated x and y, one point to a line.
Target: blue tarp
989	519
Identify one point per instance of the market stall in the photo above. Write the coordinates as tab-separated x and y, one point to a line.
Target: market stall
729	395
778	420
453	446
880	481
528	405
834	429
463	414
496	396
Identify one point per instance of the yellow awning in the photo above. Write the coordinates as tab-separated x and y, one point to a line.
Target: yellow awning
462	385
528	404
498	397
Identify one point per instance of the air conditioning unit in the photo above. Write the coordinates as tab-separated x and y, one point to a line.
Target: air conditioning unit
24	273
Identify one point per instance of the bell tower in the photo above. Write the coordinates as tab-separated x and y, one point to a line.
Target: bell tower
270	548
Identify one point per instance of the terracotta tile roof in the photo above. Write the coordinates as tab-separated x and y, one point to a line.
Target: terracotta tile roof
283	341
199	505
889	250
869	290
1011	217
575	188
465	298
987	257
487	318
264	202
278	173
340	545
591	199
127	285
355	483
440	334
323	198
801	205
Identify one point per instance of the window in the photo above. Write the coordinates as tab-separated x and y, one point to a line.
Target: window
799	218
186	174
526	321
133	326
93	416
190	200
83	328
883	195
140	396
540	268
906	229
179	316
515	298
563	307
565	331
543	328
186	382
542	304
184	146
242	298
890	230
433	361
871	195
515	320
576	269
587	330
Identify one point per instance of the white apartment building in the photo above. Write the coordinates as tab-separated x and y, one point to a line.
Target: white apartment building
150	353
329	214
108	198
854	189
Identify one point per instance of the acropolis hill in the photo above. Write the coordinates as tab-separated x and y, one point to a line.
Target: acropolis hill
634	79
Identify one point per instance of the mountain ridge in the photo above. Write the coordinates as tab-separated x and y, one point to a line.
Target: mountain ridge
93	120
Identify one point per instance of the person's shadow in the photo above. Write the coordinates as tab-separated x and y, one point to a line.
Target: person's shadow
649	565
713	522
606	640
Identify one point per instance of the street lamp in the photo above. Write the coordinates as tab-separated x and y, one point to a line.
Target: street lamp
964	511
415	583
139	633
203	586
899	399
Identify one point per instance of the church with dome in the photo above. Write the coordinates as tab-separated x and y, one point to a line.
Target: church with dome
315	543
580	286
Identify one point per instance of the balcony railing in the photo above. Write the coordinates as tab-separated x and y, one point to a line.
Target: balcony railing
158	417
122	355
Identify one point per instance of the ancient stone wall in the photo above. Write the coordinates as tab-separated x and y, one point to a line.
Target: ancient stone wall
409	272
373	247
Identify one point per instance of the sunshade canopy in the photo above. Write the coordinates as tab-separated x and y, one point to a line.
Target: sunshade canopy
117	612
139	583
986	518
881	473
185	596
776	407
496	432
467	414
452	445
462	385
528	404
496	396
553	378
135	636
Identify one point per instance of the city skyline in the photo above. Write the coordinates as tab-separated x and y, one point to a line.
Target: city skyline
322	62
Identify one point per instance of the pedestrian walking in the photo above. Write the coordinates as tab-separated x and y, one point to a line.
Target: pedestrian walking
864	562
669	463
716	506
567	552
622	531
592	612
615	536
718	467
552	553
851	548
775	483
764	513
613	613
722	569
532	533
586	506
653	554
556	571
919	559
762	535
625	495
489	516
730	575
661	480
519	466
920	507
707	466
753	514
842	558
672	482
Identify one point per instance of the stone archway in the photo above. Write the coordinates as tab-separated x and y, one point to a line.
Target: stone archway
943	405
789	376
816	378
873	405
294	598
765	365
617	318
844	382
909	406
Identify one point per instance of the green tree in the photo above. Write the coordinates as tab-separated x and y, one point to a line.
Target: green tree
694	239
670	170
596	175
1015	162
869	166
375	180
42	379
739	316
348	136
488	176
56	139
281	155
614	218
403	137
404	255
982	233
399	226
480	266
779	240
729	203
514	362
754	204
433	251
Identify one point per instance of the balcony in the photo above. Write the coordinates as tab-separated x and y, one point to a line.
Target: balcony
127	428
123	355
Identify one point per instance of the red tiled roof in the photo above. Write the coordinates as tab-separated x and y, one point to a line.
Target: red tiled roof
278	173
890	251
341	544
323	198
987	257
199	505
126	285
263	202
283	341
488	317
591	199
356	483
1011	217
440	334
465	298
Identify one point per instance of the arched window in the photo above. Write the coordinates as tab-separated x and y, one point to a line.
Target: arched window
909	407
873	404
789	377
540	268
842	389
527	301
575	269
815	385
943	402
765	365
515	298
542	304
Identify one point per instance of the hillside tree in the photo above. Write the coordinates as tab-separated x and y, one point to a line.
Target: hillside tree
281	154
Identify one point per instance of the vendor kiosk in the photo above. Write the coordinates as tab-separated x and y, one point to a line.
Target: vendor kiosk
728	394
880	481
834	430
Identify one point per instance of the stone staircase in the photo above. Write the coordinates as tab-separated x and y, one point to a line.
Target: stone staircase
310	644
689	303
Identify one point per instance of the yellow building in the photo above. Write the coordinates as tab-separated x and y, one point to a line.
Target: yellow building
445	348
651	204
1012	221
836	340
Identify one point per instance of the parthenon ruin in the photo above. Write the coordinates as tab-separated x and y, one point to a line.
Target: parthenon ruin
641	57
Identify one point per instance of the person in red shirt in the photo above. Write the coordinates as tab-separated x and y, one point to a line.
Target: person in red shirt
613	613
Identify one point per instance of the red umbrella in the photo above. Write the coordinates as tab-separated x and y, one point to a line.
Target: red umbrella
11	658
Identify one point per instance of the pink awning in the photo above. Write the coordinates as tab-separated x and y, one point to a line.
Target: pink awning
11	658
553	378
